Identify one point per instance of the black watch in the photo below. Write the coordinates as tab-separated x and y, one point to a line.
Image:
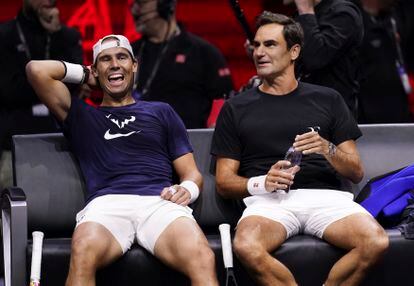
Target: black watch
86	73
331	149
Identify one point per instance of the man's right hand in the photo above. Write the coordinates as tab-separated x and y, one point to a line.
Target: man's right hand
280	176
92	82
49	18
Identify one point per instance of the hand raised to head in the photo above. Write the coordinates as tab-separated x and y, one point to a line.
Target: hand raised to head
49	18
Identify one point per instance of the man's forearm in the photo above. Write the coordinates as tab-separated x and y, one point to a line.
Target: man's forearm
346	164
232	186
45	78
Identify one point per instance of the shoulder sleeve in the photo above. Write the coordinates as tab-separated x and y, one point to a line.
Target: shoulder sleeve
177	136
226	142
344	126
74	117
218	76
330	35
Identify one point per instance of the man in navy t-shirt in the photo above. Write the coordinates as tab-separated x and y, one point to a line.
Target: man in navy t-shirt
127	150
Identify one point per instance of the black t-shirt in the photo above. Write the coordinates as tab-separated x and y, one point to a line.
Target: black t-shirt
257	129
191	74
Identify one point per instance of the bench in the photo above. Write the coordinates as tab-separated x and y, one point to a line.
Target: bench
49	190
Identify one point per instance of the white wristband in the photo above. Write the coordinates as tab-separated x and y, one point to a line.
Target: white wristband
192	188
256	185
74	73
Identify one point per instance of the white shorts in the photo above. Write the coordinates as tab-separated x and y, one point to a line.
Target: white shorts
133	218
308	211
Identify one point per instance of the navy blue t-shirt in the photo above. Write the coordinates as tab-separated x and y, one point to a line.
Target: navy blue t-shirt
128	149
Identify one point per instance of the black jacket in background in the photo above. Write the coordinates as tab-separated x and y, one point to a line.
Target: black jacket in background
16	95
382	97
330	54
191	74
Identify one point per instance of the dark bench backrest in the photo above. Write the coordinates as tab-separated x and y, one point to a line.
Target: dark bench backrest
49	174
210	209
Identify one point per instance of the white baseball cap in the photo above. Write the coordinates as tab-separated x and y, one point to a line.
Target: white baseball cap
119	41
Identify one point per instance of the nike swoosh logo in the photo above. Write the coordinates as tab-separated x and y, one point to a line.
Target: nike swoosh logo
109	136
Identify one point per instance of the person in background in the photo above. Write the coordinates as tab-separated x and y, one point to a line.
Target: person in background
333	34
387	58
176	66
36	33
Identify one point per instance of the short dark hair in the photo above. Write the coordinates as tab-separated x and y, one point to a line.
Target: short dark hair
292	31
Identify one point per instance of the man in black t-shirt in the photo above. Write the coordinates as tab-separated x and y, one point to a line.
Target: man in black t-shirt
255	129
176	66
333	32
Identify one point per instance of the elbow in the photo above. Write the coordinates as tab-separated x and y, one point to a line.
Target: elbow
200	180
32	71
222	190
358	175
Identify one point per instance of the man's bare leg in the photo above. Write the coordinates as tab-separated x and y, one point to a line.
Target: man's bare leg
255	238
366	241
183	246
93	246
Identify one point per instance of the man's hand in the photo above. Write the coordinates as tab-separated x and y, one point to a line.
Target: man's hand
176	194
248	47
280	176
311	142
305	6
92	82
49	18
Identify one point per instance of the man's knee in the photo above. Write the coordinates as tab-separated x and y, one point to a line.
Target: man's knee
377	244
208	255
373	246
84	252
204	258
247	248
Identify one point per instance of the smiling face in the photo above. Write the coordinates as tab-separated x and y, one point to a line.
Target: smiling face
115	70
271	54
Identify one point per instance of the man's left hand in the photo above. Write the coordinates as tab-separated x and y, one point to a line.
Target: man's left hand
311	142
176	194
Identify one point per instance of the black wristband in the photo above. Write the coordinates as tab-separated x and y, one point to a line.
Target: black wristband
66	69
86	73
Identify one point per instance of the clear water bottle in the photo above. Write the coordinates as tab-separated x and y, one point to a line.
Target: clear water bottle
293	156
